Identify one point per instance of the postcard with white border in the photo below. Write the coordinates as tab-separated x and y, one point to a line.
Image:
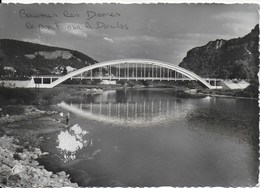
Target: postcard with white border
122	95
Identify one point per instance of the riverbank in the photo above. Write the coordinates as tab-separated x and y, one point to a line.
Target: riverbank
13	113
193	93
234	94
19	151
19	167
228	96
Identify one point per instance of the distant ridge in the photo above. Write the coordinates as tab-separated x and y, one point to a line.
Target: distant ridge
28	58
228	59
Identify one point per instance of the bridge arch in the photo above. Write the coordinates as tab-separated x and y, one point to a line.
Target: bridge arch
187	73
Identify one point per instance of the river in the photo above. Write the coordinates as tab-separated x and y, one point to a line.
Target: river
149	137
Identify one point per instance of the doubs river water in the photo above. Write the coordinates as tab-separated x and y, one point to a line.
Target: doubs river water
150	137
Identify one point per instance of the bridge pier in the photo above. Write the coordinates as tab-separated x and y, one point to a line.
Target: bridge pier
127	71
152	72
160	73
168	73
119	71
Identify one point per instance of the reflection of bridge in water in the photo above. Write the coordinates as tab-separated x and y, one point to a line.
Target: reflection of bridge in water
126	69
134	114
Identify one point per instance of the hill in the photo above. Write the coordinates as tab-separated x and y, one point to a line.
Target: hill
23	59
227	59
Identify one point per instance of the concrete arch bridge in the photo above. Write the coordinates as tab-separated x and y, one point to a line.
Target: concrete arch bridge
125	69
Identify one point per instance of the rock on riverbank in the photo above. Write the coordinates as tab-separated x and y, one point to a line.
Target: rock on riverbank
19	168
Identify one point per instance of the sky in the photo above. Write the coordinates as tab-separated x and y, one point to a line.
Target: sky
164	32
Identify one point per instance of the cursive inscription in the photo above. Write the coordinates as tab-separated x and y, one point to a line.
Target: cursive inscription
117	25
70	14
40	26
93	14
24	14
94	20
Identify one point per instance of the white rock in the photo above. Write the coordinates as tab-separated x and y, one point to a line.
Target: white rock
17	169
22	155
45	153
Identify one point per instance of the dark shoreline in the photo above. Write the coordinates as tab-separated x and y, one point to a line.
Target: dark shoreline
228	96
19	165
203	92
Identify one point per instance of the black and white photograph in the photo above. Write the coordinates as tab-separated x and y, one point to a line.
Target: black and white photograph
129	95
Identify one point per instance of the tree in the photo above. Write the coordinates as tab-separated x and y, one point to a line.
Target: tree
224	74
252	89
131	83
64	71
240	70
2	71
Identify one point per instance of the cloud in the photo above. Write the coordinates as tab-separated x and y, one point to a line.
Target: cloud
141	38
109	39
240	23
36	40
232	15
48	31
76	29
239	29
78	33
182	37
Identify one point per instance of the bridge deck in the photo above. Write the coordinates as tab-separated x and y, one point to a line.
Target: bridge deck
129	78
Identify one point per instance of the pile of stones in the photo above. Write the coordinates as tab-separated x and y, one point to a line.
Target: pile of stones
19	168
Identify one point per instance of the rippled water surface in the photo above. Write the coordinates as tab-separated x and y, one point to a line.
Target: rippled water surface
148	137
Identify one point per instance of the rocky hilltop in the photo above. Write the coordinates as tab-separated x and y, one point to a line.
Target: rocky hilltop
227	59
23	59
